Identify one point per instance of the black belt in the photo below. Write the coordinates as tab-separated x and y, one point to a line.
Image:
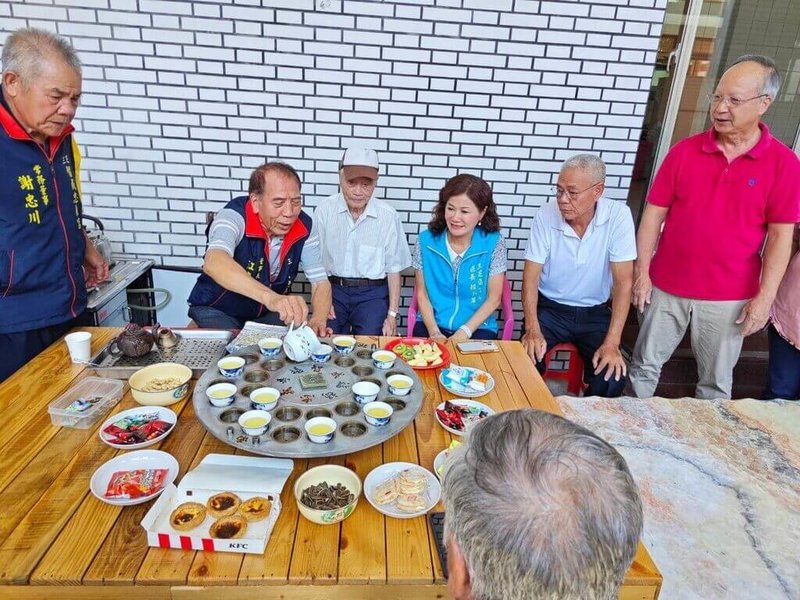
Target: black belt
356	281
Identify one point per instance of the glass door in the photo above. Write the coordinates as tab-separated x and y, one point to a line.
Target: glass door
662	87
715	32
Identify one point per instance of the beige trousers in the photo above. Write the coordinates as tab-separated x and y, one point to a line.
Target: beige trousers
715	336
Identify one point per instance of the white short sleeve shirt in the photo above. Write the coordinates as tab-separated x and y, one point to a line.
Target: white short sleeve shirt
371	247
577	271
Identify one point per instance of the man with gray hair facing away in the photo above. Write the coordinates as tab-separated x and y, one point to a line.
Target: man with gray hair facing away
581	248
46	259
537	507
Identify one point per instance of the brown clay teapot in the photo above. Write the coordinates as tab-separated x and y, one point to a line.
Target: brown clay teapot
134	341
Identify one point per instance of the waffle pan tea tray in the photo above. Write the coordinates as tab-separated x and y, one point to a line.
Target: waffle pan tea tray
198	349
308	390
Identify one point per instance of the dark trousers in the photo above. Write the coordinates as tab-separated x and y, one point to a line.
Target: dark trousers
209	317
480	334
359	310
18	348
783	376
586	327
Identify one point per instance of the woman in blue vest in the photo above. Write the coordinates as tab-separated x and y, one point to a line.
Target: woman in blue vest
460	264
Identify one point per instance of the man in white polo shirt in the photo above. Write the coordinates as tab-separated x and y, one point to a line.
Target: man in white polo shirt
580	249
364	249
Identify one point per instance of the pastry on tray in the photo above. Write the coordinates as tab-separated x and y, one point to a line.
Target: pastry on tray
411	502
411	481
187	516
255	508
223	504
386	492
228	528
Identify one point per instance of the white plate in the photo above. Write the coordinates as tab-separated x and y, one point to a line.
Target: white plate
462	390
465	404
164	414
138	459
439	462
380	474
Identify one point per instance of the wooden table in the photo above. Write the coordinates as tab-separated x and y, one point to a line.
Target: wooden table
53	532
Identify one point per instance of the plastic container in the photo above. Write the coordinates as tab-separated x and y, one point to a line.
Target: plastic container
85	402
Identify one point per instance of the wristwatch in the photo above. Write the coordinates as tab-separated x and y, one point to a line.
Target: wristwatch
392	314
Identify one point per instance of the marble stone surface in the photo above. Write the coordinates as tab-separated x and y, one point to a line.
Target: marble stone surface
720	481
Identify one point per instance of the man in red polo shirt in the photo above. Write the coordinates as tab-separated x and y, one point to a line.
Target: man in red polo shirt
718	195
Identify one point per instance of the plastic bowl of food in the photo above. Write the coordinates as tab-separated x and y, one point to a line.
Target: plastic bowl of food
160	384
332	475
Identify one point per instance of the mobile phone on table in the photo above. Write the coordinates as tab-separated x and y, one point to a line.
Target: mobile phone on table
475	346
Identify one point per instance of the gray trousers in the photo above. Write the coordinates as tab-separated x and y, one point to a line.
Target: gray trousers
716	342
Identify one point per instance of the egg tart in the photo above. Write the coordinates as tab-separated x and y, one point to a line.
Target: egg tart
187	516
228	528
255	508
223	505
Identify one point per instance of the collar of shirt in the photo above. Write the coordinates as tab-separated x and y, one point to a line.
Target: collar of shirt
710	142
602	214
369	211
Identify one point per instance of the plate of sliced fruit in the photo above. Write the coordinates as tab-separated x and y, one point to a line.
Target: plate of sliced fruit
420	353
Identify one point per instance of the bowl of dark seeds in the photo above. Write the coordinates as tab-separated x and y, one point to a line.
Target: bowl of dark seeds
327	494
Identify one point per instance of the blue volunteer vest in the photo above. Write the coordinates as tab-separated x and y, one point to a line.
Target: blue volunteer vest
457	294
42	245
253	254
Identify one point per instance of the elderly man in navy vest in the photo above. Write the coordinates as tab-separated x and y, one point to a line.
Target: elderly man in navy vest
256	246
46	260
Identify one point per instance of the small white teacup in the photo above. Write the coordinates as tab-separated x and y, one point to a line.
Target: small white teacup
365	391
399	385
344	344
255	422
383	359
264	398
321	353
320	430
231	366
270	346
378	413
221	394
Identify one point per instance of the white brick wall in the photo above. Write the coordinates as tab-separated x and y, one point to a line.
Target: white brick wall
183	99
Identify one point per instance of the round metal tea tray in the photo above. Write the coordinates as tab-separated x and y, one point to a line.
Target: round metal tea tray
303	396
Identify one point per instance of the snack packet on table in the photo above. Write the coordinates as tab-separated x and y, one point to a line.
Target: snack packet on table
126	485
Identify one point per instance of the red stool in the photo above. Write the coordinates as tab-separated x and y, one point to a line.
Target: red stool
573	374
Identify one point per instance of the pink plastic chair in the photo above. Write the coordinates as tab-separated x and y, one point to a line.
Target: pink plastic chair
505	304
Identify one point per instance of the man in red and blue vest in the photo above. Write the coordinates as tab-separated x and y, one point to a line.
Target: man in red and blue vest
256	245
46	260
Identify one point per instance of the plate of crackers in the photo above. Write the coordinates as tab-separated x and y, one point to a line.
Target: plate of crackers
402	490
223	516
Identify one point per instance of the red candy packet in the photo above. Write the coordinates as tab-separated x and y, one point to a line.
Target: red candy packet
127	485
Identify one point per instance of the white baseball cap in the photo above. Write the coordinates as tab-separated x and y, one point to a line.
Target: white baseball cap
358	156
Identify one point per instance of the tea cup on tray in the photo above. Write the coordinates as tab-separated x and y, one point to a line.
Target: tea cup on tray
320	430
344	344
365	391
378	413
231	366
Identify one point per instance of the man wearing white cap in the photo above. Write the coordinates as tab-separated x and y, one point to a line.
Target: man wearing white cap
364	249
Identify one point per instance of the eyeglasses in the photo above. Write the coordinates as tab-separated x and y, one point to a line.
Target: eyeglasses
571	196
731	101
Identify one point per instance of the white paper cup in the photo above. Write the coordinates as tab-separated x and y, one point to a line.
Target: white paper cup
80	346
